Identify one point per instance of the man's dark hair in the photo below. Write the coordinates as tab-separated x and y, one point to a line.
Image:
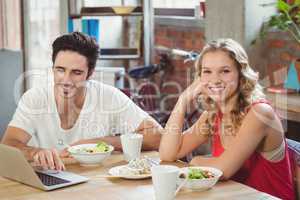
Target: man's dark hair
80	43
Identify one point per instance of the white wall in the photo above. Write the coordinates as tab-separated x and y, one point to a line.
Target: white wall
241	21
11	69
42	26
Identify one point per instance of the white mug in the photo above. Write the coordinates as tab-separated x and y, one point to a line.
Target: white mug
131	145
164	179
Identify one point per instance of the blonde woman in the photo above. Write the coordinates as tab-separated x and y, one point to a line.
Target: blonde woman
248	142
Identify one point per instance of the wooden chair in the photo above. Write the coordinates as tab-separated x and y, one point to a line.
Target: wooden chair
294	152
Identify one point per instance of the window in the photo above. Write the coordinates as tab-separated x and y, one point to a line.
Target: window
42	21
10	24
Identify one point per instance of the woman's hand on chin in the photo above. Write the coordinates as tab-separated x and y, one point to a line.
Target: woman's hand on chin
193	91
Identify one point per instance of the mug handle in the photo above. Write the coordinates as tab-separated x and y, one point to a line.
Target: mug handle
180	186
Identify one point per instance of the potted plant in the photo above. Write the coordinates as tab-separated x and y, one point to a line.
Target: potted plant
287	19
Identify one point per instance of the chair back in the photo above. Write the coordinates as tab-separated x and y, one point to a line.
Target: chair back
294	153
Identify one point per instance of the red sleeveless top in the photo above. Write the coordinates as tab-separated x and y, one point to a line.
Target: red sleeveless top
274	178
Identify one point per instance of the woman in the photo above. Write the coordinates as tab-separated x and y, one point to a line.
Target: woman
248	142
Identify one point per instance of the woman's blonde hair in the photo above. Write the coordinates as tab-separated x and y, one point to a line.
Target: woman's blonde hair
249	88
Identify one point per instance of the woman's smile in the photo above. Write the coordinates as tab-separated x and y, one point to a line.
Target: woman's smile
216	89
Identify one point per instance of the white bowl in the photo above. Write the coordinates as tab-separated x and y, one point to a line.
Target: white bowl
85	158
123	9
200	184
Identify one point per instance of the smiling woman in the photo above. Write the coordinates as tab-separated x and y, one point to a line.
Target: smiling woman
248	143
224	68
220	74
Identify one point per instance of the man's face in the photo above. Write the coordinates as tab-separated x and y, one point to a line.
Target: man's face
70	73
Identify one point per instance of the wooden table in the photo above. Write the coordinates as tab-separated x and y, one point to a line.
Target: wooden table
287	105
120	189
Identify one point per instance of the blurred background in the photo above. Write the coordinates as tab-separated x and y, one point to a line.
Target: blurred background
148	47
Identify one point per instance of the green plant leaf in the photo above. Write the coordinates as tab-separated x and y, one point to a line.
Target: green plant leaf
263	31
283	6
279	21
297	18
287	19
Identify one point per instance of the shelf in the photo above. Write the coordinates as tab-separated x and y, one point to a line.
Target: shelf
109	11
143	11
119	53
118	57
182	12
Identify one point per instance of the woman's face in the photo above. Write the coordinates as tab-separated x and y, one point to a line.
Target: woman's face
220	76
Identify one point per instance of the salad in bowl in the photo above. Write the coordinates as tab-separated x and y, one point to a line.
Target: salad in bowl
199	178
91	154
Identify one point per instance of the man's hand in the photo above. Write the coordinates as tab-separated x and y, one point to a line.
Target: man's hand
48	159
65	153
44	158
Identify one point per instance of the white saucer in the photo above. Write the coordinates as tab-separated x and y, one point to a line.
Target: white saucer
115	171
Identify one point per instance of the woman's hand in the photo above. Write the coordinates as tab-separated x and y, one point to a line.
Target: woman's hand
192	92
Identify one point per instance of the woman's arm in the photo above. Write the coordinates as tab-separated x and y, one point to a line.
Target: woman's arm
251	133
175	144
194	136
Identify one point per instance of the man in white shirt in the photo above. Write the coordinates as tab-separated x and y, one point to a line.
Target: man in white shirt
75	110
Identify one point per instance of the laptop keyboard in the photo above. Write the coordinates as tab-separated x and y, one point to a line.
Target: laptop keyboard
50	180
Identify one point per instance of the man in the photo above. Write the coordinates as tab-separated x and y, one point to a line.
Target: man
74	110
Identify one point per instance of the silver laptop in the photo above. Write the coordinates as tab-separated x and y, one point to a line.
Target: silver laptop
14	166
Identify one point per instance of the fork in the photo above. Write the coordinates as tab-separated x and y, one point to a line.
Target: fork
152	161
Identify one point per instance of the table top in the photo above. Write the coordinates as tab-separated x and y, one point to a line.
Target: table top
120	189
288	105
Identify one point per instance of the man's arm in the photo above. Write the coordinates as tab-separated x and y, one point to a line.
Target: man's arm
45	158
149	128
151	131
19	138
112	140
